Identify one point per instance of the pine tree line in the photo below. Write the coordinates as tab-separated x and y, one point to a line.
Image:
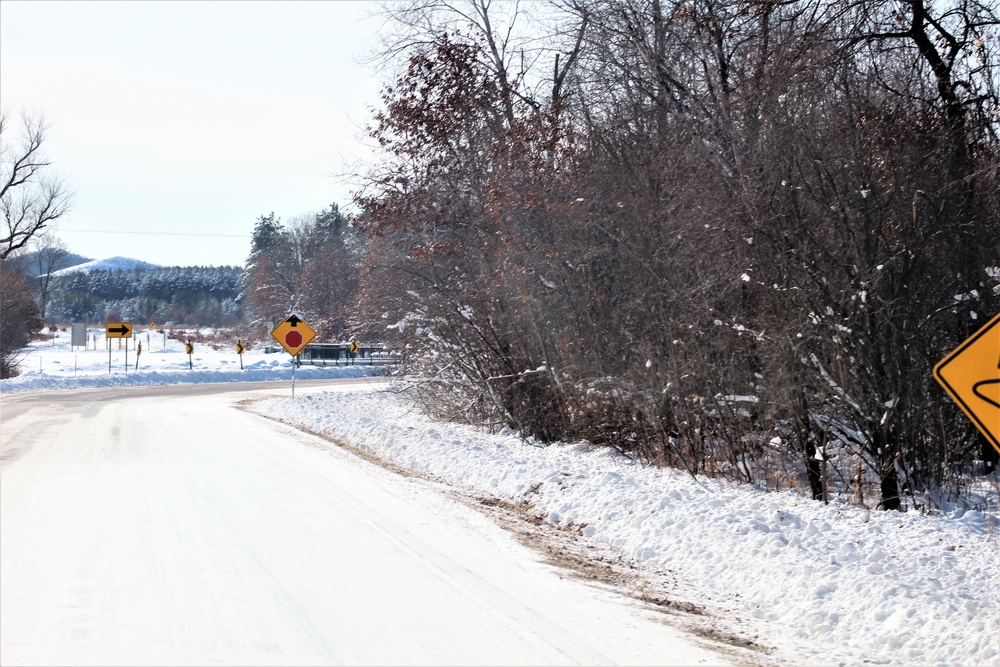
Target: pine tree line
204	296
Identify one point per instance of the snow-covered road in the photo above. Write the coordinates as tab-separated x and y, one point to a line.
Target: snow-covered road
164	526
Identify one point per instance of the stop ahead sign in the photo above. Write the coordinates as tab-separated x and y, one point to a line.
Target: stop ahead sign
293	334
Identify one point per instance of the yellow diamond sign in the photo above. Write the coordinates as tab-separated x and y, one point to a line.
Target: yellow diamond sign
293	334
971	376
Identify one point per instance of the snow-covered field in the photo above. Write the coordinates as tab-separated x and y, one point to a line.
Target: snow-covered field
56	365
817	584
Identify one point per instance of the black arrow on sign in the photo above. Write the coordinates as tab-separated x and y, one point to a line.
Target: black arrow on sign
293	320
121	330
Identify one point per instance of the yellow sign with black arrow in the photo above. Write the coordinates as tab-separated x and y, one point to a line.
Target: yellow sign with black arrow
118	329
971	376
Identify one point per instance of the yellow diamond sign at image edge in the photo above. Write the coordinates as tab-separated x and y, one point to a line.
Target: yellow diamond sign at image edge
293	334
971	376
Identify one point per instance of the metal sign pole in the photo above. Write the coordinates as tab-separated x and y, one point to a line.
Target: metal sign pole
293	377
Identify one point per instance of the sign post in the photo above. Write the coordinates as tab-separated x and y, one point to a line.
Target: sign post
189	348
293	334
117	330
239	351
971	376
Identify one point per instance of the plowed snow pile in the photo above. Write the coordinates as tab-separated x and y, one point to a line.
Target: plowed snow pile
823	584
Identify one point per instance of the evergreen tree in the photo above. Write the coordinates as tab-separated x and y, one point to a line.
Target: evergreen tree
329	225
266	234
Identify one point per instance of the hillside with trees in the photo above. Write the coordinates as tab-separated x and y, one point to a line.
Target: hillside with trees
204	296
730	236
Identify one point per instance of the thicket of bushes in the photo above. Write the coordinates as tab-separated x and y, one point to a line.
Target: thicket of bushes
732	237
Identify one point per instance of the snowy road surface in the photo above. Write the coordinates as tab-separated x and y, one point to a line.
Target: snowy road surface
164	526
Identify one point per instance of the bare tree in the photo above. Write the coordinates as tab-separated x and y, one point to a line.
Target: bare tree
49	251
30	197
19	319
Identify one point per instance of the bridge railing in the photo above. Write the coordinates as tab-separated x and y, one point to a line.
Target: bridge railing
327	354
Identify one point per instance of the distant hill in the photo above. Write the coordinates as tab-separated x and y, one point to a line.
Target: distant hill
72	259
28	261
109	264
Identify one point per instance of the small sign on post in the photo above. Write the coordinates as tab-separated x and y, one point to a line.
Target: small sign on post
293	334
189	348
239	351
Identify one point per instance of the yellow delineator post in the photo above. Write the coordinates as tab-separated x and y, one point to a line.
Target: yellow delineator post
971	376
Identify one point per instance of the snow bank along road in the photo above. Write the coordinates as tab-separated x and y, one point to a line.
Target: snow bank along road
160	525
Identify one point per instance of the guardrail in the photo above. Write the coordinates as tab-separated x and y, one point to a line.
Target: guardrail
326	354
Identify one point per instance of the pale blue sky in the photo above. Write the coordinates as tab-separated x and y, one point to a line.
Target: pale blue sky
190	118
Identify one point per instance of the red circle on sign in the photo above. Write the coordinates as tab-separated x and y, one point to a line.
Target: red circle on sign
293	339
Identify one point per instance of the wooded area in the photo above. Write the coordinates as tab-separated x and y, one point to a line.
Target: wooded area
731	236
308	266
